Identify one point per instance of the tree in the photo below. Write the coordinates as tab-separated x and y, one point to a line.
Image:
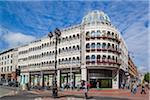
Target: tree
147	77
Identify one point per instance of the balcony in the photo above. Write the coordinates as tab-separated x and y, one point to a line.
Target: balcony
103	62
117	51
104	37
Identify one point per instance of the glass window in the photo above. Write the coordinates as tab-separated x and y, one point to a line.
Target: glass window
104	56
93	45
108	33
98	57
108	57
98	45
98	33
104	45
93	57
87	34
108	45
87	57
93	34
87	45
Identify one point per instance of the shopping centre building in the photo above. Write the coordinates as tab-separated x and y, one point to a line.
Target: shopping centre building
93	51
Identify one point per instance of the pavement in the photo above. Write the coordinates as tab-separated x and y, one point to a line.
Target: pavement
93	94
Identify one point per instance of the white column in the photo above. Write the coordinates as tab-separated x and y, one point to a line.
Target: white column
41	79
84	74
58	78
115	80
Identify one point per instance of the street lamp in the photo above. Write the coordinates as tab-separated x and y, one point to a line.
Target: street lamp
57	34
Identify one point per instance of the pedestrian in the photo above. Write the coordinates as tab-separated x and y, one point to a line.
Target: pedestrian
97	85
122	85
63	86
85	89
78	86
143	89
134	88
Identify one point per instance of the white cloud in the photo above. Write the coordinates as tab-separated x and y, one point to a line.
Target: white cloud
136	37
16	39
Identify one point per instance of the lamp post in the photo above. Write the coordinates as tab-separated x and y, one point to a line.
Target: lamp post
57	34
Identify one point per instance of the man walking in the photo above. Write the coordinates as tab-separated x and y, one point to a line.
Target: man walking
85	89
143	89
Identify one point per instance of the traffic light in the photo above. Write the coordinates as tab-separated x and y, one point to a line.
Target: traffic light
18	72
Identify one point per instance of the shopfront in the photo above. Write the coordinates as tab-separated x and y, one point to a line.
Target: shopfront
66	77
100	78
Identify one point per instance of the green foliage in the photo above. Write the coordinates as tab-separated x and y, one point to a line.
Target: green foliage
147	77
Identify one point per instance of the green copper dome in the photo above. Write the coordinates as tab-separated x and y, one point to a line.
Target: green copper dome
95	16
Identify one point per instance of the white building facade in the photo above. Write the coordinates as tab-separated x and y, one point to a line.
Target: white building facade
93	51
8	65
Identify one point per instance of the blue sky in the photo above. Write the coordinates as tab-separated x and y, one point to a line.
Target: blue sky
21	22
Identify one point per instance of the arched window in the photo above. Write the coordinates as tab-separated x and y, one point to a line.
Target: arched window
104	57
78	35
62	49
108	33
98	57
66	49
104	45
92	34
87	45
93	45
70	37
69	59
88	57
98	33
74	48
74	58
113	46
113	58
67	38
93	57
59	50
116	47
109	57
108	46
78	58
78	47
88	34
98	45
116	59
112	34
74	36
70	48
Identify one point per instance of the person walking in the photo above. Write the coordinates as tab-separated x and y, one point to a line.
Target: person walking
85	89
134	88
63	86
143	89
78	86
